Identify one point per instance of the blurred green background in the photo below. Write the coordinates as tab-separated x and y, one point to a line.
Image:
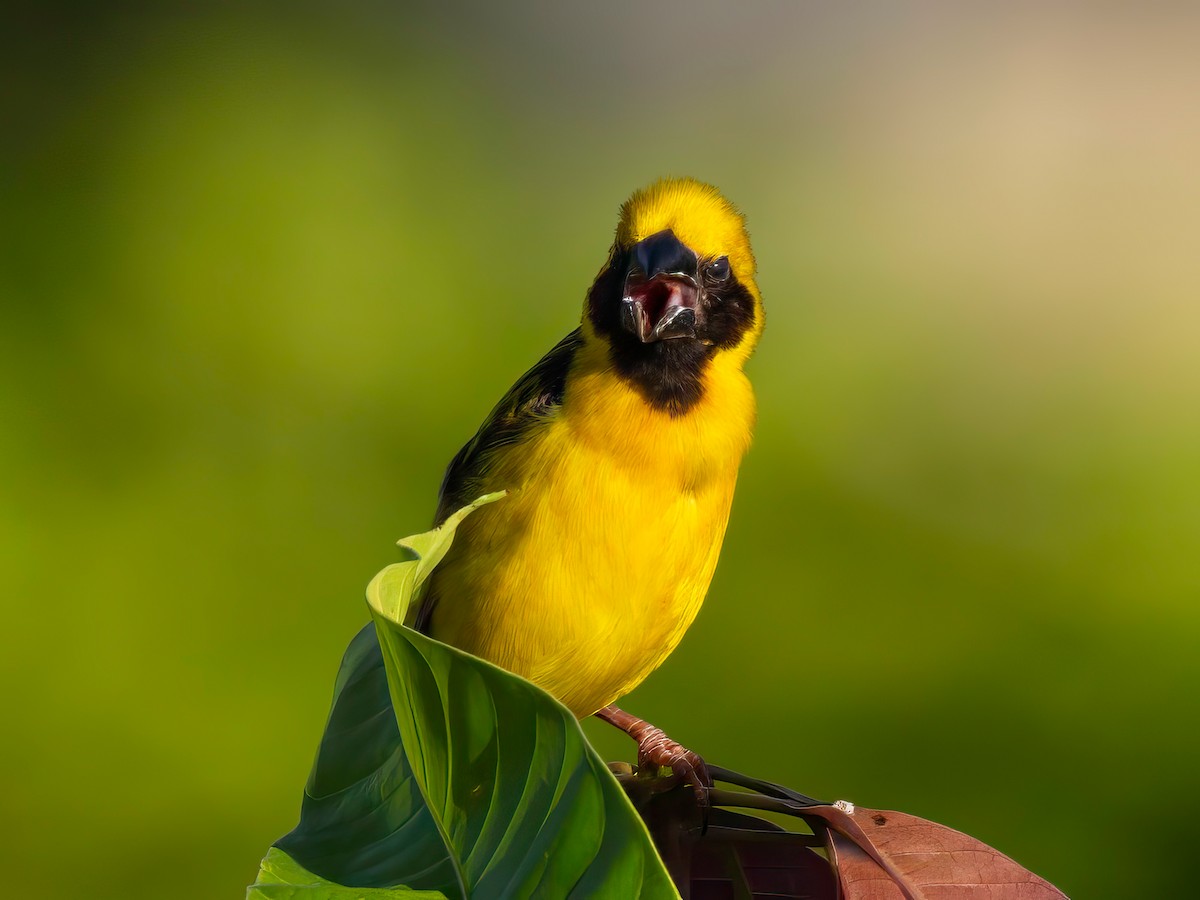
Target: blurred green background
265	268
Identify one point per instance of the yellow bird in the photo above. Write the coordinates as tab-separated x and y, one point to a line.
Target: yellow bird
620	452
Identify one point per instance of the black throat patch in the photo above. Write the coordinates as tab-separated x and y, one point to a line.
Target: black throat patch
668	374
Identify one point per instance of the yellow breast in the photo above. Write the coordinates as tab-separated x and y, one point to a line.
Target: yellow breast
587	575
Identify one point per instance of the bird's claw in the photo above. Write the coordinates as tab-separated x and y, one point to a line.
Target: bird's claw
656	750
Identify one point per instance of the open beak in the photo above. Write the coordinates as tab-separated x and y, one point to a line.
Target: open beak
662	295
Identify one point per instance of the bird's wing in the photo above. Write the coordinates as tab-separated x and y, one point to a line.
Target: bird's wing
531	401
535	396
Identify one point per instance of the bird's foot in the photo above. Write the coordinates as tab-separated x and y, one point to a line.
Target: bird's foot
657	751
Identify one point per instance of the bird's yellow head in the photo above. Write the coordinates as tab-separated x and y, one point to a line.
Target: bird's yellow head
678	291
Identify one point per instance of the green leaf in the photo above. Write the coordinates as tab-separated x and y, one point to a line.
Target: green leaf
282	878
469	780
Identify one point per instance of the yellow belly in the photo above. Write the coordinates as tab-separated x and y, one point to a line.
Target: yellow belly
586	576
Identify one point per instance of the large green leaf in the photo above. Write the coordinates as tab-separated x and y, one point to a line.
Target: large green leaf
468	780
282	878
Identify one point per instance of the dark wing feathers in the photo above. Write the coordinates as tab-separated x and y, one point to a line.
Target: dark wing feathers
534	397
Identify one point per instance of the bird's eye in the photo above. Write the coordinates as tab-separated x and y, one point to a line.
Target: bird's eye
718	269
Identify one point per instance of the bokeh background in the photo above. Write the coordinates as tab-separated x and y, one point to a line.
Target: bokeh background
265	268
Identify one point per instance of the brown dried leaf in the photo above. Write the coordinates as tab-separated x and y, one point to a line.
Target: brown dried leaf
884	855
872	854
